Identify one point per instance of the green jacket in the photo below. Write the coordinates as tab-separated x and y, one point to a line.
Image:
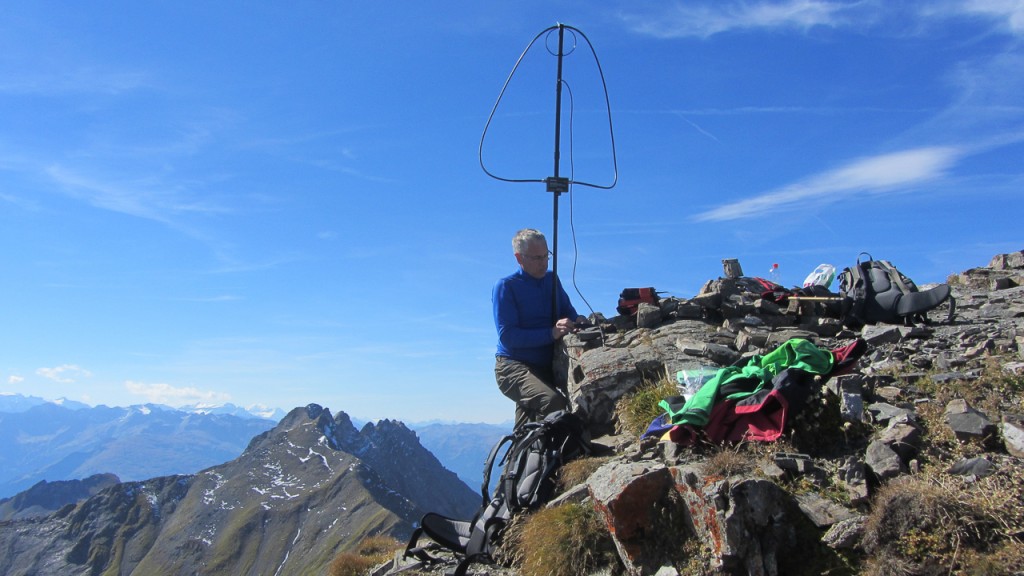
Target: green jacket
757	373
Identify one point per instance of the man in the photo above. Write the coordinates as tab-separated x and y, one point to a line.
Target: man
528	330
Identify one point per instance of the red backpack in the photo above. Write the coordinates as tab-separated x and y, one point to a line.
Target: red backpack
630	299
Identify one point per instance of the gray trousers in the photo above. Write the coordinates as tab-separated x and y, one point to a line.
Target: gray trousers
532	389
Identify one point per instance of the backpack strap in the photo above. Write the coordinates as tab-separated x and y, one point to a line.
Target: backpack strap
510	479
895	276
420	552
856	294
489	465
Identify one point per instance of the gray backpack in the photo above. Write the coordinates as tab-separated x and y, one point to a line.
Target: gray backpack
875	291
530	459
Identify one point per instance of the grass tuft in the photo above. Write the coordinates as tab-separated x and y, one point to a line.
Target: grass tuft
931	525
567	540
639	408
371	552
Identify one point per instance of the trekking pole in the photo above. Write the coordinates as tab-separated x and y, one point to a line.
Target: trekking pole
817	298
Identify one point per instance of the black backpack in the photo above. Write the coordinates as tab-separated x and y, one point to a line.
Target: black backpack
533	454
875	291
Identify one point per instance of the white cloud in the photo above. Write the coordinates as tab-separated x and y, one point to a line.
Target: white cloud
64	374
687	19
702	20
1009	11
14	379
166	394
143	197
878	174
83	80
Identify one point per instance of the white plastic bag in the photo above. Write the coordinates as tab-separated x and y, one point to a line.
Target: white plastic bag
823	275
690	381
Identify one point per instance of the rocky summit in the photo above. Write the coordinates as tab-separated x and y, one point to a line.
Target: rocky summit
910	463
302	492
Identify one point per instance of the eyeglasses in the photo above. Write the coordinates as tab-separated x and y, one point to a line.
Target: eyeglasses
537	258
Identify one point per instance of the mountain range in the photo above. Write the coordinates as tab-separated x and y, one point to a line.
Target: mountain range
63	440
52	442
301	492
20	403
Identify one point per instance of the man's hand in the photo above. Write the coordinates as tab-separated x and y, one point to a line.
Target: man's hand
562	327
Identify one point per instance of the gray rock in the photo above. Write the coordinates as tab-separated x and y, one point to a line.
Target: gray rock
797	463
628	495
845	534
883	461
903	437
883	413
1012	428
976	467
821	511
722	355
853	475
1007	261
648	315
744	522
967	423
879	334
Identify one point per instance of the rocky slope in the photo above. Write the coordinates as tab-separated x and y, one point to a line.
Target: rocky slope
300	493
911	464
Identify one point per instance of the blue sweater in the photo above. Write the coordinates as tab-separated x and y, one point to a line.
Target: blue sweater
522	315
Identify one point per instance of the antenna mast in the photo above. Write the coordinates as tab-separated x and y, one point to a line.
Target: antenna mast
557	184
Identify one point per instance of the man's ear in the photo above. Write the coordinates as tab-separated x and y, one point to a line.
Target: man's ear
519	258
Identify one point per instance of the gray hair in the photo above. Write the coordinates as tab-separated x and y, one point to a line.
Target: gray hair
521	241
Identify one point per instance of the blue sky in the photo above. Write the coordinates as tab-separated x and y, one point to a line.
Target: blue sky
282	203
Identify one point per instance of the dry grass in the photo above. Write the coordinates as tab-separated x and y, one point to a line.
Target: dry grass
994	391
938	524
567	540
370	553
639	408
577	471
730	461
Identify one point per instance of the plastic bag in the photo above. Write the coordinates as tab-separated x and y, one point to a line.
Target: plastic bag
690	381
823	275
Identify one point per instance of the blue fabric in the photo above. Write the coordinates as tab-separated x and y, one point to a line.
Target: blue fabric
522	316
